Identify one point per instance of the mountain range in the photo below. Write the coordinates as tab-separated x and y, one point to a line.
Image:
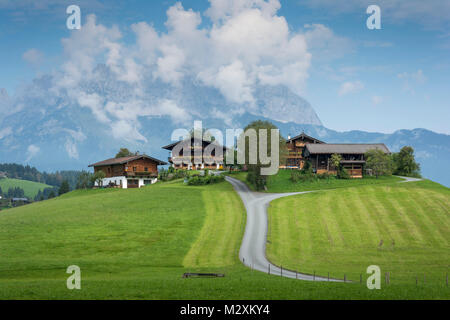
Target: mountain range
60	129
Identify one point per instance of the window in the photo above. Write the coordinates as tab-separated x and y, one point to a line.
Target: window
109	170
146	169
134	169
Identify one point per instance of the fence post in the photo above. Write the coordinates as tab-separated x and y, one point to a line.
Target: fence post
281	271
328	276
269	269
314	276
243	261
296	274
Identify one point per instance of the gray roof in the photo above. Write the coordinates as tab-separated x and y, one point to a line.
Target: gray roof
330	148
192	142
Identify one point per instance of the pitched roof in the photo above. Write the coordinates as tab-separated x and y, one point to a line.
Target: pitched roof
329	148
303	135
172	145
123	160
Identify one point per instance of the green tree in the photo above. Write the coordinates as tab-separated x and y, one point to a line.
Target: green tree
254	175
379	162
64	188
405	163
98	178
84	180
51	195
336	162
124	152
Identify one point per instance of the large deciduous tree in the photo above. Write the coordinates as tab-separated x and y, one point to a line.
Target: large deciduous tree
405	163
379	162
124	152
253	137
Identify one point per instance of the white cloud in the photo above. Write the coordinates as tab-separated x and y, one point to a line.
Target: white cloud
32	150
246	45
350	87
417	76
325	44
33	56
412	79
71	149
376	100
4	132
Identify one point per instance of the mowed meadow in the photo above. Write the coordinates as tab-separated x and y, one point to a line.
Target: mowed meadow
136	244
30	188
403	228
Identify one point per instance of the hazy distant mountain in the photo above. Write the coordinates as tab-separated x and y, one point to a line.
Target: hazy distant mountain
55	130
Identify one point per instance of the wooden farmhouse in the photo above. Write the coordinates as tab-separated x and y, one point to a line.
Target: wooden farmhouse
352	156
295	158
196	154
304	148
129	172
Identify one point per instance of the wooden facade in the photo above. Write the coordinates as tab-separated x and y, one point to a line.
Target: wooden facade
295	158
304	148
201	154
129	172
353	159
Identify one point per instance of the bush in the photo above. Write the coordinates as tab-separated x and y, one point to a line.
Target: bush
204	180
324	176
172	174
302	175
343	174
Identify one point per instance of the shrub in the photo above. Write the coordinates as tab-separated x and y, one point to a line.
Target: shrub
323	176
204	180
343	174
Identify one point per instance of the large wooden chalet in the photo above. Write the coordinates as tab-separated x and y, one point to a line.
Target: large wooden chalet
201	154
304	148
129	172
295	158
352	156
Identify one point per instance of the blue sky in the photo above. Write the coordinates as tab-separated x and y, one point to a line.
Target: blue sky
374	80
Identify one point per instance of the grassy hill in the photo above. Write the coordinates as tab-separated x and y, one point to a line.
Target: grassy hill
281	182
401	227
30	188
136	244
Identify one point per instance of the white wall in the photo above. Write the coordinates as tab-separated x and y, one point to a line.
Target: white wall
117	180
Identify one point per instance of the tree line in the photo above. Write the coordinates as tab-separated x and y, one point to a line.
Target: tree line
18	171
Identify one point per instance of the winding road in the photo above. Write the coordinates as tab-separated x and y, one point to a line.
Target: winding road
253	247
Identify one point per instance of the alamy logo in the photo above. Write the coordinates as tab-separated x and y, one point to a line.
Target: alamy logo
374	281
74	281
74	20
374	21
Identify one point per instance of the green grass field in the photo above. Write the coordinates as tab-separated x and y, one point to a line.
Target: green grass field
281	183
136	244
339	231
30	188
